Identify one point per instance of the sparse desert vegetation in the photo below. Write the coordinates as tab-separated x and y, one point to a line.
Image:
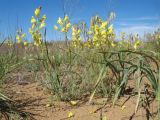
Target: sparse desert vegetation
90	75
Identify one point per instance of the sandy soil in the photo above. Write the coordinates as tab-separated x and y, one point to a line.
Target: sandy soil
39	101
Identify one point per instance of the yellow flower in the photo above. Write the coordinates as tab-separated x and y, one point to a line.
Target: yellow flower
137	44
33	26
9	43
43	18
18	39
110	29
105	118
73	103
100	20
73	29
73	33
95	38
70	114
96	32
63	30
30	31
123	107
113	44
48	105
37	12
36	44
96	27
23	35
66	18
60	21
79	31
68	25
104	25
33	20
56	27
103	32
25	43
96	43
74	44
42	25
76	37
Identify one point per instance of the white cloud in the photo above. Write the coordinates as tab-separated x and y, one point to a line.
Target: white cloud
127	24
142	18
138	29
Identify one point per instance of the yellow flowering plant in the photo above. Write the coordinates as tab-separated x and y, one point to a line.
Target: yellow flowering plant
70	114
63	26
76	36
20	36
25	43
9	42
38	25
101	33
137	42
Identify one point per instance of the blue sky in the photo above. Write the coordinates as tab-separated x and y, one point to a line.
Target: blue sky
136	16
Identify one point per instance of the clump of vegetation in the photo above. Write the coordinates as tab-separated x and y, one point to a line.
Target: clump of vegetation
91	64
